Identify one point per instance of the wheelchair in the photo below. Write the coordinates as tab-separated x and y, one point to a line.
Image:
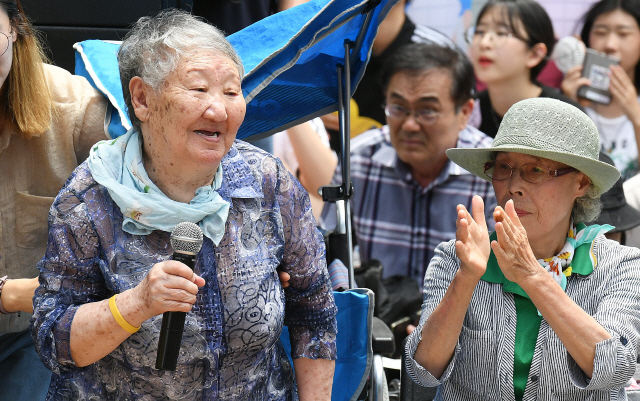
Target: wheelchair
383	343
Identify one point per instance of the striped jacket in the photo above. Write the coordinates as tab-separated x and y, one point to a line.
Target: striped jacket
482	364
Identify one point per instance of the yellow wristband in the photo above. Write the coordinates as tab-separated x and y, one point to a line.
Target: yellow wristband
116	315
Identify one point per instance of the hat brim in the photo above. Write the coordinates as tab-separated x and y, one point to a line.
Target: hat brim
622	218
601	174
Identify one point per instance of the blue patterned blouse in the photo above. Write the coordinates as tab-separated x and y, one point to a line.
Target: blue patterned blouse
230	348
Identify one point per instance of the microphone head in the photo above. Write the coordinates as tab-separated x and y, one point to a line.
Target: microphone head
186	237
568	52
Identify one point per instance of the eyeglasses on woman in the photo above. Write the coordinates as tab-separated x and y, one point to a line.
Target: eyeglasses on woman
530	172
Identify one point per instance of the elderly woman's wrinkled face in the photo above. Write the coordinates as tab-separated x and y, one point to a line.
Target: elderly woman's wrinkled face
194	117
545	208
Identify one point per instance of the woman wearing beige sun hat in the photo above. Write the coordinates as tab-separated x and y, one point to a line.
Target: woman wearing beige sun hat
545	307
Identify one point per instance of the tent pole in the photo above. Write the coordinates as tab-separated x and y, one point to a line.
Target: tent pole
363	33
344	98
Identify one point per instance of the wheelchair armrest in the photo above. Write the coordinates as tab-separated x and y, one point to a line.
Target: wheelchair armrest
382	338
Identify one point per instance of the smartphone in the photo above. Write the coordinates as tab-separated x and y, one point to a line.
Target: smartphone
596	68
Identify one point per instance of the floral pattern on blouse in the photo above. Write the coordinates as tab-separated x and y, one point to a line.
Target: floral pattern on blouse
230	347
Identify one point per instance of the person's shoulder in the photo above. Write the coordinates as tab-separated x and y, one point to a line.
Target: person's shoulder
481	107
66	87
77	186
247	149
370	139
610	253
554	93
482	96
471	137
425	34
54	71
243	155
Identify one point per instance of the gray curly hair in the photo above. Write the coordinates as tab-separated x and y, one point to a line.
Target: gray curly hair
587	207
155	45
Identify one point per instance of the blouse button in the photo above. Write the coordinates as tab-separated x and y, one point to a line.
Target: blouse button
623	340
534	378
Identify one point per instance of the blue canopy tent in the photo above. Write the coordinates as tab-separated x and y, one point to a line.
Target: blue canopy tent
299	81
300	63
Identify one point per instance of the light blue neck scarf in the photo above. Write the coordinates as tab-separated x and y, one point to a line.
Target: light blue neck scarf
117	165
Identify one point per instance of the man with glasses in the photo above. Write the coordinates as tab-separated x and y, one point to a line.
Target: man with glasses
395	31
405	188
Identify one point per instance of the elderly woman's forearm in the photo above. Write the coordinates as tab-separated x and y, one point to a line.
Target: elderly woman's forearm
442	329
578	331
95	332
314	378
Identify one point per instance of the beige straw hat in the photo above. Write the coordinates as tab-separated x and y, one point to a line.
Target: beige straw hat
546	128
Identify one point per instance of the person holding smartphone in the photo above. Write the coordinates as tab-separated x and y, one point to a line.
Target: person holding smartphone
613	27
509	46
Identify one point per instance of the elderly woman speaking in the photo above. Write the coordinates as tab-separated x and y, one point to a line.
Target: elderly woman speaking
108	274
544	308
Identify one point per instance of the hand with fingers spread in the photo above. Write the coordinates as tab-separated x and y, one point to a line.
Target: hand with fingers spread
472	239
512	249
169	286
624	92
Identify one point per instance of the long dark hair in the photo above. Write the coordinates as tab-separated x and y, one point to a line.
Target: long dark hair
534	19
631	7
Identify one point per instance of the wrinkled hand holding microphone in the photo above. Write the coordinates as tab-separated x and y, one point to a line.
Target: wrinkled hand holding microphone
186	240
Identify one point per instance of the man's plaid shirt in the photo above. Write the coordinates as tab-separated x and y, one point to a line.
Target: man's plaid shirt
396	220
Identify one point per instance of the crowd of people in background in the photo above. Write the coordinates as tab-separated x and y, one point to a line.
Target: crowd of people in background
492	187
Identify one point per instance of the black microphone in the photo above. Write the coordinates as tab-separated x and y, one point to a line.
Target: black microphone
186	240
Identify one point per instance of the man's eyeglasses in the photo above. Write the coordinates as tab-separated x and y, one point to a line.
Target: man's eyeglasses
531	172
422	116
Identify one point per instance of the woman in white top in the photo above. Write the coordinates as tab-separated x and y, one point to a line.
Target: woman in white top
508	49
613	27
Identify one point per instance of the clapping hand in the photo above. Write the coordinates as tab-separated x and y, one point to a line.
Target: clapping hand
472	239
512	250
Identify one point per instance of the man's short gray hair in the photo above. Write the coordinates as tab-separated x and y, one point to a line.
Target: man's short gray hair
154	46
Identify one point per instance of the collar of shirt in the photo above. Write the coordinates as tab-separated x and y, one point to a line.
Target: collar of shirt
386	155
581	265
